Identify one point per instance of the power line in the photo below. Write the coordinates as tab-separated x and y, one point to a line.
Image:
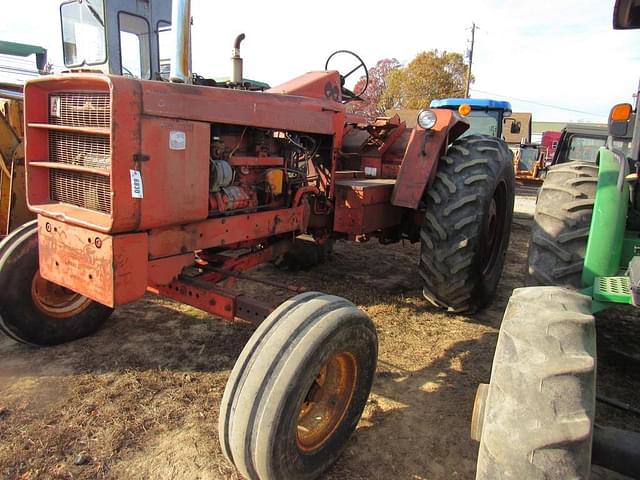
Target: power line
539	103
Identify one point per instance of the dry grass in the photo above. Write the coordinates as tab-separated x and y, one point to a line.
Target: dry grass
140	398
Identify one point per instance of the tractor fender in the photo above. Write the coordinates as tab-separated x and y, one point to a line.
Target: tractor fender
420	160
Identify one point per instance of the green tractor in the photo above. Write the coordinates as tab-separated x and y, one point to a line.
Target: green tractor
536	417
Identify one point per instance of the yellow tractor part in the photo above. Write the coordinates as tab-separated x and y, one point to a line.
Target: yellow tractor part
13	204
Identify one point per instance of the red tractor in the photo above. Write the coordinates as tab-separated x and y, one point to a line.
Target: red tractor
177	187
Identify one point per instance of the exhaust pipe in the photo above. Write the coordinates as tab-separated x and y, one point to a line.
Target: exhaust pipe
181	29
236	61
41	61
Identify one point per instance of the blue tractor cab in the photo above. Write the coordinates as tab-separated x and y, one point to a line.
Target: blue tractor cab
485	117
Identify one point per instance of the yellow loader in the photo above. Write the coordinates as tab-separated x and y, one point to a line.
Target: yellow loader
13	205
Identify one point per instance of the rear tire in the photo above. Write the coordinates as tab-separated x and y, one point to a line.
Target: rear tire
467	225
33	310
539	411
298	389
561	225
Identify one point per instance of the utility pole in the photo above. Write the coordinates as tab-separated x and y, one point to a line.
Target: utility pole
470	53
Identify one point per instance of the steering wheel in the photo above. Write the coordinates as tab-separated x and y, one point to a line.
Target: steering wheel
348	95
126	72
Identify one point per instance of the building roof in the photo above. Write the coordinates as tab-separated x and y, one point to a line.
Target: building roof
541	127
20	49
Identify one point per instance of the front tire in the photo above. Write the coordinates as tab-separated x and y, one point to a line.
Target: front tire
561	225
33	310
467	225
298	389
537	417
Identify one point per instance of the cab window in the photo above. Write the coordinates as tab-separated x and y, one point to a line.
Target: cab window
135	56
584	148
83	33
165	42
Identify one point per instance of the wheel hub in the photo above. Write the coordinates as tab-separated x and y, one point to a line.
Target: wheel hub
54	300
327	401
479	405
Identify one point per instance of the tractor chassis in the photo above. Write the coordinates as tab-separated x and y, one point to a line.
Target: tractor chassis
207	279
200	286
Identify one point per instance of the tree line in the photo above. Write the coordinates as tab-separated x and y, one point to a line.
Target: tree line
430	75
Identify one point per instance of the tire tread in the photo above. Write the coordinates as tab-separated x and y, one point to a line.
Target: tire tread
449	260
561	225
539	411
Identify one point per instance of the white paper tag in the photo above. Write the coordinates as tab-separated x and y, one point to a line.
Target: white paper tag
136	184
177	140
54	106
370	171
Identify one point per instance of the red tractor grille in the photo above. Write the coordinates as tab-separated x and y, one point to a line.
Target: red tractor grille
80	109
86	190
79	135
79	149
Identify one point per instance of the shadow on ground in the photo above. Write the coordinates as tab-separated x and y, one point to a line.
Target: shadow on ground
139	399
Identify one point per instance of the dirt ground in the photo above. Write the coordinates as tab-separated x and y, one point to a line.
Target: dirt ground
139	399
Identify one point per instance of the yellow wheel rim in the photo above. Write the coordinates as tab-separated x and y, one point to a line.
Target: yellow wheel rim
56	301
327	402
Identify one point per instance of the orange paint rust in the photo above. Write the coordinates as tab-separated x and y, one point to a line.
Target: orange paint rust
421	156
109	269
240	107
217	232
221	302
362	206
199	295
163	132
137	143
165	270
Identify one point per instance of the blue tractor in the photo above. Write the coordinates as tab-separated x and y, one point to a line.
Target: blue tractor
495	118
485	116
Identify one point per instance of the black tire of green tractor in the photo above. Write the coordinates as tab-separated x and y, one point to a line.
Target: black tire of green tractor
561	225
276	380
304	254
540	407
465	236
20	317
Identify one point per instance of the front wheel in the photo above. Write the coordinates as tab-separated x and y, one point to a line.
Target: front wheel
33	310
467	224
561	225
298	389
535	419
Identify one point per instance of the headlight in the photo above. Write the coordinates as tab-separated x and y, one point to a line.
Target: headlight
426	119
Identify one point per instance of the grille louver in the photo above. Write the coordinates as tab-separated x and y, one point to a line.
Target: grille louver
88	150
79	149
82	110
84	190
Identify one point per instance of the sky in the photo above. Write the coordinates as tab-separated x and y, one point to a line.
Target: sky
560	60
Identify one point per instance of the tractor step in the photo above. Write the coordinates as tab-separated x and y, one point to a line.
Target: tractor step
612	289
